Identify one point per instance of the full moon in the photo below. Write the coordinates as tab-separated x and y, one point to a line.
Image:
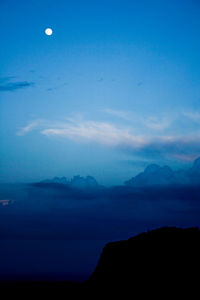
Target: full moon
48	31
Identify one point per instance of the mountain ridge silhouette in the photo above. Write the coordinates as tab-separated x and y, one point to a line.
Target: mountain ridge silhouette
163	263
166	258
154	174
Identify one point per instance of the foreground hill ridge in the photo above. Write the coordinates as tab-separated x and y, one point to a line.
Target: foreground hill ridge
157	263
163	257
152	175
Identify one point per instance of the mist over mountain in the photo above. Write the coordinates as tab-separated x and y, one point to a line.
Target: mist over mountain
153	175
161	176
80	209
76	182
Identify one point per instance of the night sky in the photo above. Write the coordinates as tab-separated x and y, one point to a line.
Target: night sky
114	92
114	88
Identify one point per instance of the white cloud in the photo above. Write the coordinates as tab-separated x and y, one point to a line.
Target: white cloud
29	127
157	123
128	138
154	123
101	132
194	116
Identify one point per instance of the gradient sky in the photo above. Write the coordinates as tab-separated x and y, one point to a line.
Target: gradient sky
116	87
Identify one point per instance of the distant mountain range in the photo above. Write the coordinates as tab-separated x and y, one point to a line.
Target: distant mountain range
76	182
156	175
153	175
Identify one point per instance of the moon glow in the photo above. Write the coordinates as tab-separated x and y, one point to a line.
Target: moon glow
48	31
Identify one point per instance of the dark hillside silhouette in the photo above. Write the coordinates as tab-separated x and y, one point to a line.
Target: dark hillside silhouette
159	263
165	260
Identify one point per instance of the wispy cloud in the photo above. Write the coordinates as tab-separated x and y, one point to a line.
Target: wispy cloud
181	147
101	132
154	123
186	157
7	86
7	78
30	126
194	116
157	123
57	87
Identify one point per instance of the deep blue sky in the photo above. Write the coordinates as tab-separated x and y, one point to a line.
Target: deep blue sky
116	87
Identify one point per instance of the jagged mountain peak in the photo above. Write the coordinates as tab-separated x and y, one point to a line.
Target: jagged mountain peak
151	168
77	181
156	175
